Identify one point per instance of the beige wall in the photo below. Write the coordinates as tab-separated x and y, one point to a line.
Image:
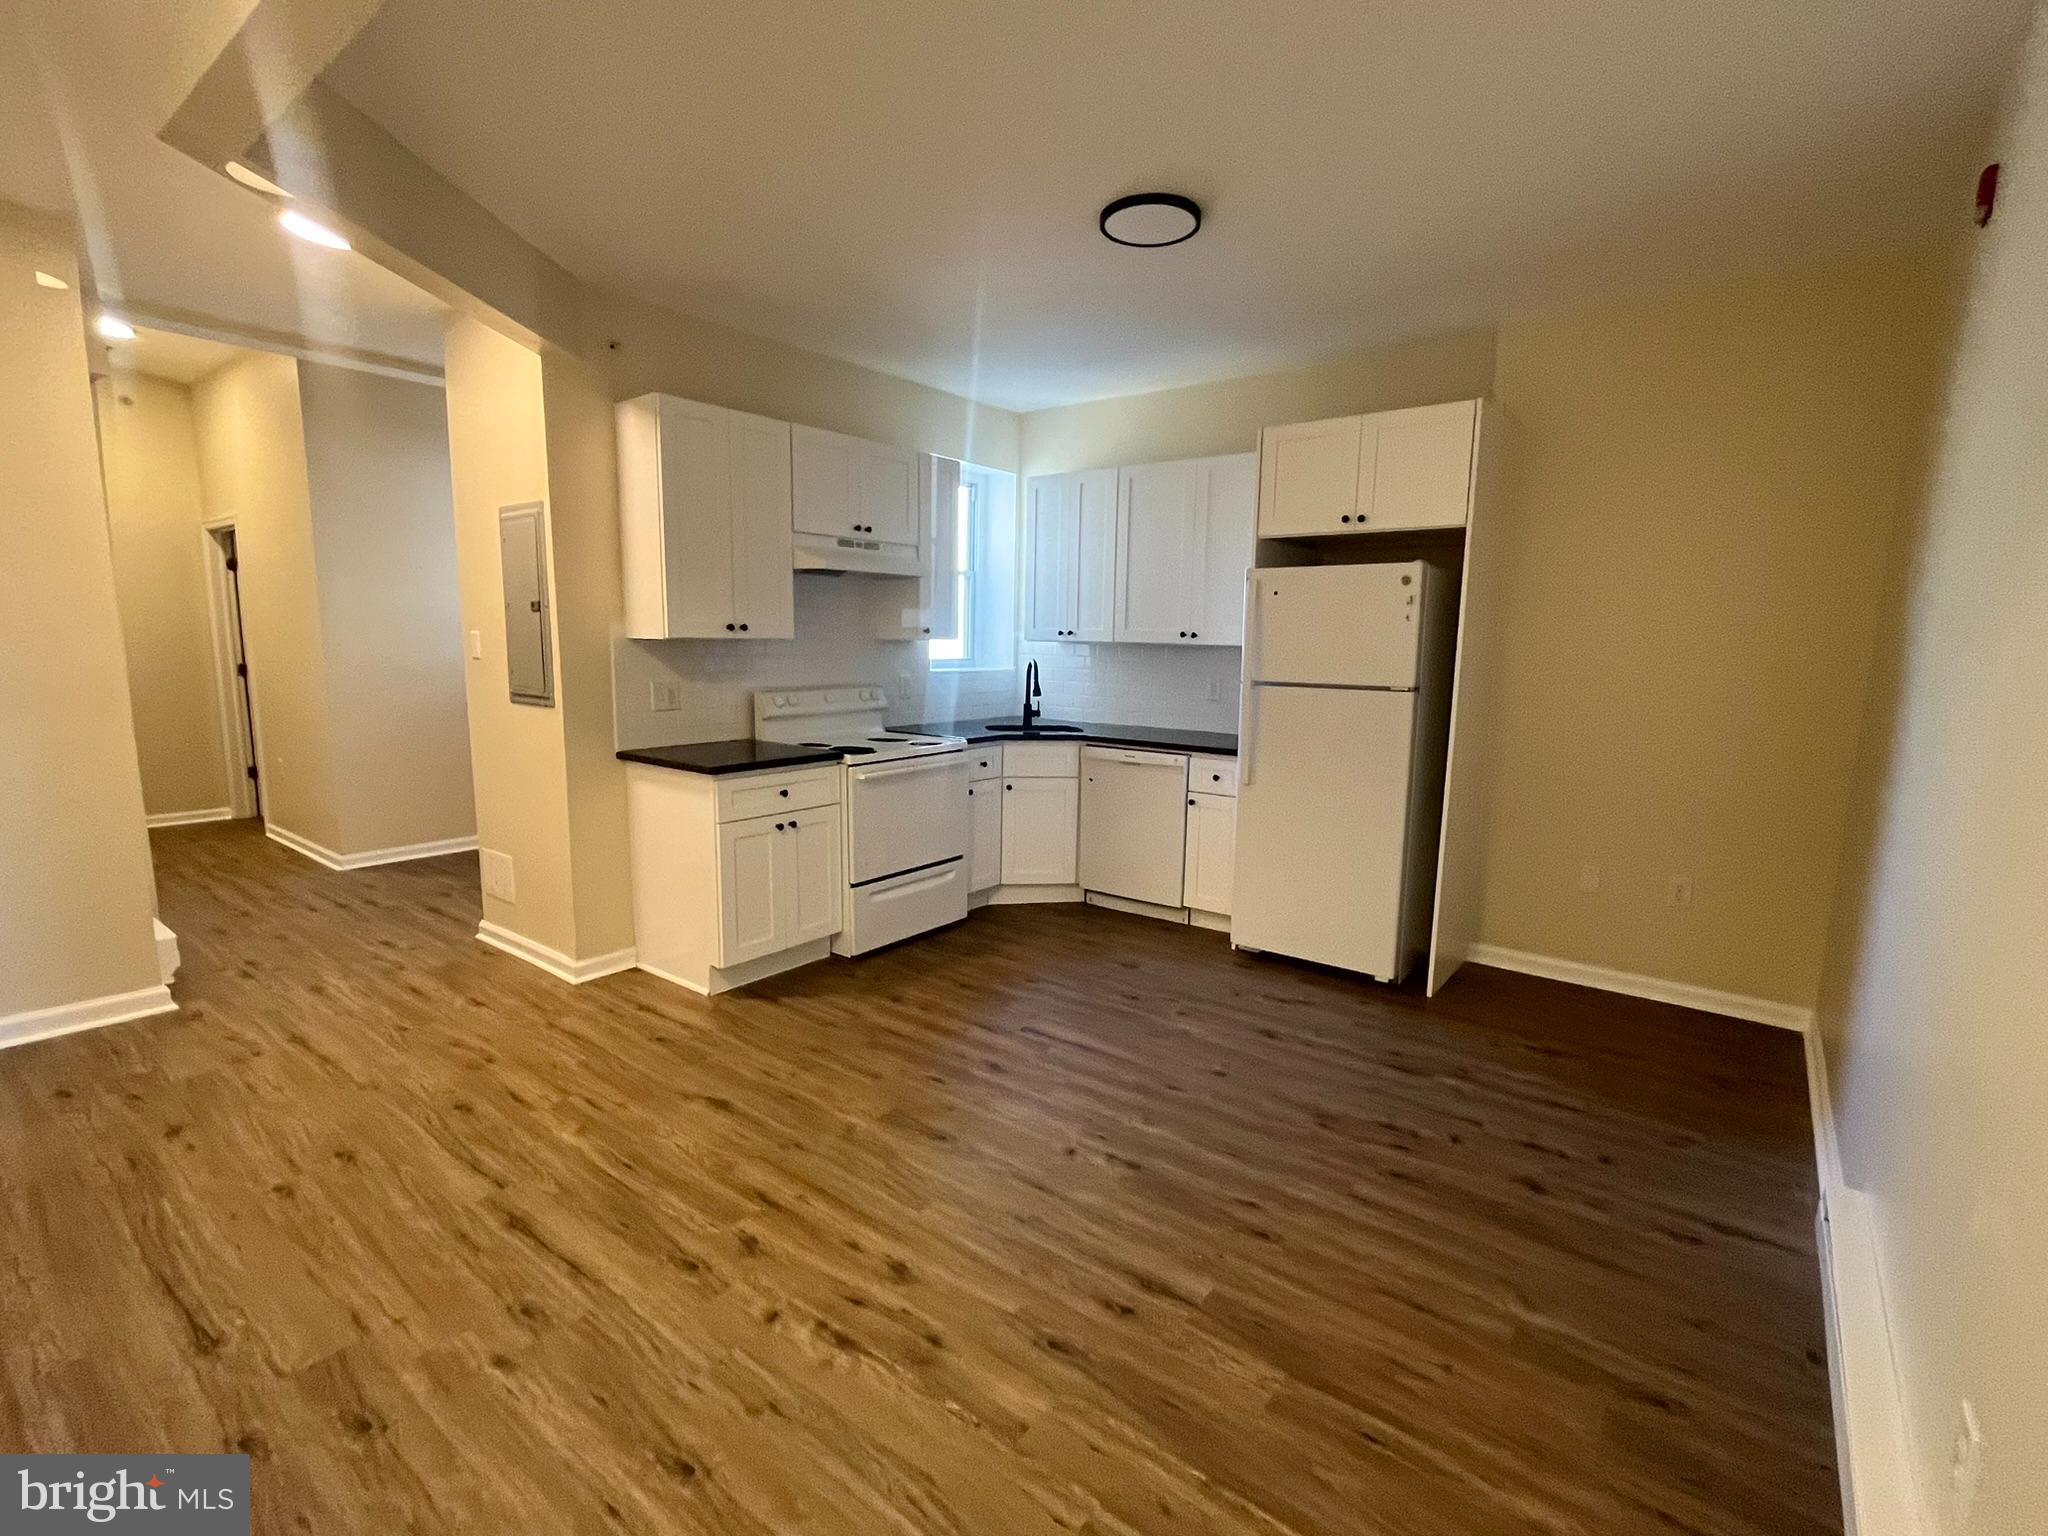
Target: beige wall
1704	489
76	887
1226	417
252	469
497	444
151	463
337	482
384	539
1933	1010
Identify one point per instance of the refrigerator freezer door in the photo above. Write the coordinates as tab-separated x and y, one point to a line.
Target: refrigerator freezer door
1343	626
1322	827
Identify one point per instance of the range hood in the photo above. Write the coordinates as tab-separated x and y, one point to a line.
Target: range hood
849	553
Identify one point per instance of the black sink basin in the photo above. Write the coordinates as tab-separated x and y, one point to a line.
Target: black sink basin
1018	728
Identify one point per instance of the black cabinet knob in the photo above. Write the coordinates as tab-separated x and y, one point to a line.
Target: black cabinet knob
1214	778
1194	634
1191	799
730	628
927	629
1183	634
783	792
1008	787
1345	518
778	826
970	791
743	629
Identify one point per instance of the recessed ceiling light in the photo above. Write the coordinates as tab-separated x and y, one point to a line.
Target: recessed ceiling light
1151	219
249	178
114	328
50	280
312	230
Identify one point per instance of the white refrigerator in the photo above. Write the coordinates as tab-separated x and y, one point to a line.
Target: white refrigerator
1341	752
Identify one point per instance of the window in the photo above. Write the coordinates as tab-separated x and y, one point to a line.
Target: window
984	576
958	647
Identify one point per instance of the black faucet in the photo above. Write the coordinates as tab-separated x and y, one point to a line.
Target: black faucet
1031	692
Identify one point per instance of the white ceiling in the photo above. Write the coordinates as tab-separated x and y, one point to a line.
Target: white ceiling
914	186
84	84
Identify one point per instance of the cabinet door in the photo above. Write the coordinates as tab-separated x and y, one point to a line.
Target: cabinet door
1048	545
985	820
1309	477
763	583
1157	556
1040	824
1212	853
696	518
1094	558
885	492
750	897
823	474
1422	471
1226	506
809	876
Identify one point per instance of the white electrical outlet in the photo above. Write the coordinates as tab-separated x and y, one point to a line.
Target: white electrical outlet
476	645
1215	694
1589	877
1966	1463
664	694
497	873
1679	892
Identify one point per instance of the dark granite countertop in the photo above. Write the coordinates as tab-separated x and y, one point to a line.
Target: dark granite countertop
1161	738
742	756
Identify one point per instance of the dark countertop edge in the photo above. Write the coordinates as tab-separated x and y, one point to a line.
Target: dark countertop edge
741	755
1159	738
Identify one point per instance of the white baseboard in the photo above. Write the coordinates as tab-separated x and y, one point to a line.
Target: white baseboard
166	952
1758	1010
1137	908
93	1013
374	856
725	978
189	818
1031	895
553	961
1871	1450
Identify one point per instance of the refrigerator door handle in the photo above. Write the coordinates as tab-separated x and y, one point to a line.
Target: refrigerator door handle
1247	707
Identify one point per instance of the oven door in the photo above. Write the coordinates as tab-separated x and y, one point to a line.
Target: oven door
906	815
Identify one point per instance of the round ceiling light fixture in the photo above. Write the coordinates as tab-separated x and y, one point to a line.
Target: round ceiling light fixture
1151	219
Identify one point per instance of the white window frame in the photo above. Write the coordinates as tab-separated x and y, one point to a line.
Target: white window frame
986	567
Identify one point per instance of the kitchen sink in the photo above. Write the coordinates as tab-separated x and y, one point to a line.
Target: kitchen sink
1042	728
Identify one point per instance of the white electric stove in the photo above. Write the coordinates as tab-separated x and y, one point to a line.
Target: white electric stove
903	809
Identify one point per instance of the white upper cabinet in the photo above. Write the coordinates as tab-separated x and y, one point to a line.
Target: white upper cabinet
1184	542
1070	543
1422	469
849	486
929	604
1386	471
704	508
1158	553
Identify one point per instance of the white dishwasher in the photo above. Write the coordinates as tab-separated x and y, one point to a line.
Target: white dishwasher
1133	823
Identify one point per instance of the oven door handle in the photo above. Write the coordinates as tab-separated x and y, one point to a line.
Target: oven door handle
891	770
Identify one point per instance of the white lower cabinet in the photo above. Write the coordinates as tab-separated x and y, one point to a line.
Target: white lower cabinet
779	883
721	891
985	834
1211	853
1040	825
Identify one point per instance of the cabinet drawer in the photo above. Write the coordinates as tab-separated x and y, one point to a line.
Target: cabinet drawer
985	761
762	794
1212	776
1041	759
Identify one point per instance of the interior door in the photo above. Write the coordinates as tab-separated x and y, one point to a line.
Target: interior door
696	518
1309	477
1353	626
1226	508
1048	580
823	479
1094	558
1157	553
750	899
763	585
886	492
1322	816
1422	473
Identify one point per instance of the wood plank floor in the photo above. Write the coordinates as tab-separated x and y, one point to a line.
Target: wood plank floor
1059	1221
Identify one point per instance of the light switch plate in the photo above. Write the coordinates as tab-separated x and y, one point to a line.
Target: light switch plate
497	874
664	695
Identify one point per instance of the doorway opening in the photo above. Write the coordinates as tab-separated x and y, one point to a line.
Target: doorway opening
231	665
